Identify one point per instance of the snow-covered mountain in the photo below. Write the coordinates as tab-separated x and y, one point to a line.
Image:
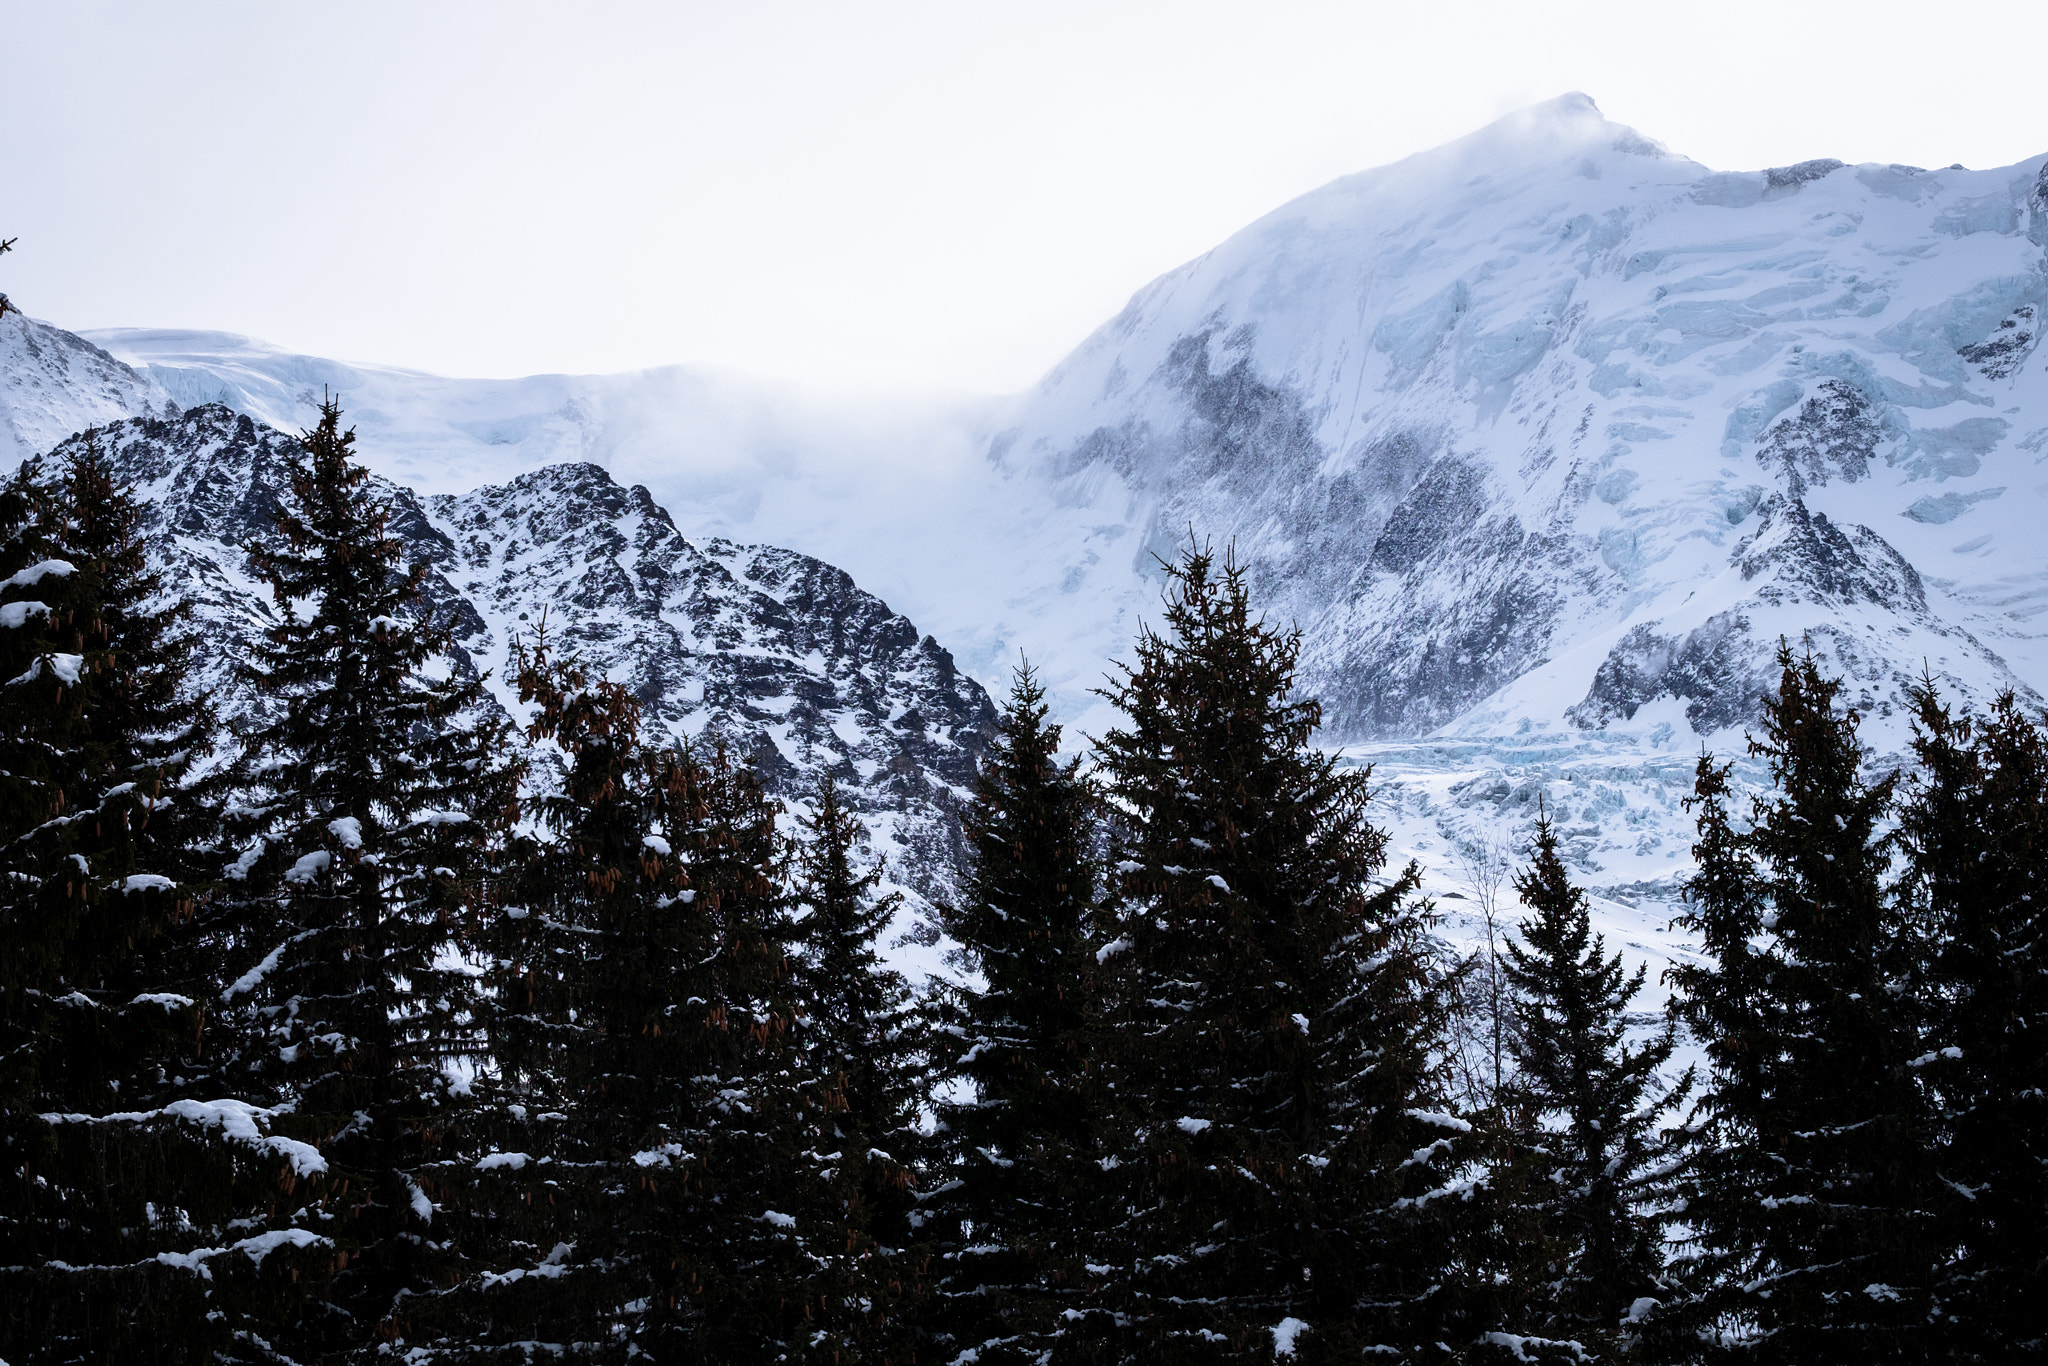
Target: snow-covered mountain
780	657
1544	437
1553	428
1546	429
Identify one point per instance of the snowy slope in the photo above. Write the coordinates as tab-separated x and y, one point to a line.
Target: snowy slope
706	439
54	383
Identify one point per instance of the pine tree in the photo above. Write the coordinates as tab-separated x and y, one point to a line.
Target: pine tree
572	938
1588	1108
742	1264
645	1111
146	813
862	1052
1024	1138
50	648
138	1188
154	730
371	794
1274	1017
1809	1196
1976	832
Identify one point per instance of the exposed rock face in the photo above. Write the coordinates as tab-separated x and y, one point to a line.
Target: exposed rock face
2002	354
1835	434
778	656
1842	592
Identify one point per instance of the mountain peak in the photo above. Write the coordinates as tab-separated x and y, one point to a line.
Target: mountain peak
1569	124
1564	136
1596	363
1573	101
1574	107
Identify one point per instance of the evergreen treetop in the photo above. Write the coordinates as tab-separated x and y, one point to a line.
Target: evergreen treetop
1274	1008
1027	911
375	786
1810	1192
1023	1137
50	647
651	1192
1975	828
131	1187
861	1042
749	1232
1587	1106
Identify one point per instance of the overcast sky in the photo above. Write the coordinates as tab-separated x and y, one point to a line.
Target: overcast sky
854	195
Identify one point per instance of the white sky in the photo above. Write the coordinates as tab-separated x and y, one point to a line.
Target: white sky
853	195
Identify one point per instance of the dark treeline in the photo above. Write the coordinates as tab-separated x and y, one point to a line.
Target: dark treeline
344	1036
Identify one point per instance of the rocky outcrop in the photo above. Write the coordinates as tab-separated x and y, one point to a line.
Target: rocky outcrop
1842	592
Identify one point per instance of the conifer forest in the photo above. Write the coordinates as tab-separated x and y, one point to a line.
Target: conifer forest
367	1029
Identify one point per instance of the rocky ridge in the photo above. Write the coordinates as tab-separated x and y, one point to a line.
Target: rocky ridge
781	658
